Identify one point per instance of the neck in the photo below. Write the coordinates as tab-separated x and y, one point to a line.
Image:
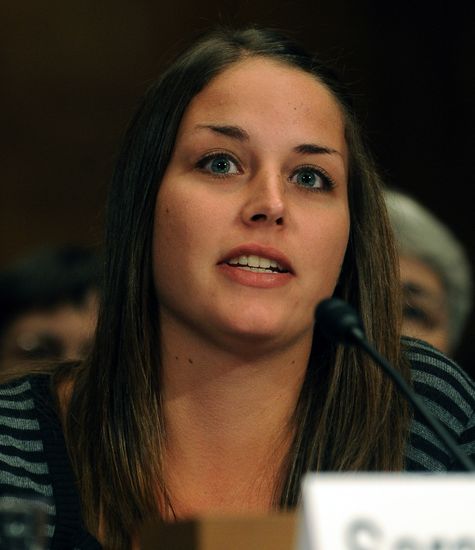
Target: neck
228	421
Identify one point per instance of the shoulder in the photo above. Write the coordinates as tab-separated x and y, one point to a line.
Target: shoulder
449	394
24	475
18	415
21	399
438	378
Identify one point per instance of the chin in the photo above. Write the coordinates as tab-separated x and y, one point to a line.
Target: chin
262	331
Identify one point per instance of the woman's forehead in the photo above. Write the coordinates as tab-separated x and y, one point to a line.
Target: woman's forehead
261	91
259	75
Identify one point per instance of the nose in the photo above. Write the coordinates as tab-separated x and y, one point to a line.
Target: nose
265	203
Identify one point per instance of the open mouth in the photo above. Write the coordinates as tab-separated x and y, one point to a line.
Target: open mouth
257	264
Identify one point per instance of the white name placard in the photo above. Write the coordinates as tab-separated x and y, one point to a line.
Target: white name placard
397	511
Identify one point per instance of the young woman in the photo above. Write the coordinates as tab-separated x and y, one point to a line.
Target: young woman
243	196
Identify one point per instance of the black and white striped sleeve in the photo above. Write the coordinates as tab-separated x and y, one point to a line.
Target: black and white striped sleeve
24	477
449	394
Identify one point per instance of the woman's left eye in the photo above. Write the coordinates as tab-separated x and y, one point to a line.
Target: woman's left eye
219	164
312	179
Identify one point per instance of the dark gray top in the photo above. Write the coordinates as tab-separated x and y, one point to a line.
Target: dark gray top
34	464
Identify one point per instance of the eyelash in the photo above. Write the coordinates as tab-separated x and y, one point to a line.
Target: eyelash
327	181
201	164
417	314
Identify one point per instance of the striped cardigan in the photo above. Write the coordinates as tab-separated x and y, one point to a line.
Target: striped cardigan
34	466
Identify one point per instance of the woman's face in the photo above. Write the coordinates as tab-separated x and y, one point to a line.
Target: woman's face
252	218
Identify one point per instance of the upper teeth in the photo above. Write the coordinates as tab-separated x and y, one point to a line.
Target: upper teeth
256	261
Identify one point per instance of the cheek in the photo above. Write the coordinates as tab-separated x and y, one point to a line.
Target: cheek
333	233
330	236
164	242
170	236
181	230
188	216
441	341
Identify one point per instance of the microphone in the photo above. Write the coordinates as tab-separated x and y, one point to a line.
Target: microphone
340	323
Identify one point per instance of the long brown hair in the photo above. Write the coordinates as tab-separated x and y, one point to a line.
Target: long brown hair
348	417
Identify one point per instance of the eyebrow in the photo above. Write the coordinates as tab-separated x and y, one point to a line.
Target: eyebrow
234	132
413	290
313	149
238	133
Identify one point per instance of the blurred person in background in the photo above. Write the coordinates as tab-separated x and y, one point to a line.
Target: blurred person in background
435	274
48	306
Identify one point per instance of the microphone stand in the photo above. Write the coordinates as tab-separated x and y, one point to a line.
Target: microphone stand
418	404
343	324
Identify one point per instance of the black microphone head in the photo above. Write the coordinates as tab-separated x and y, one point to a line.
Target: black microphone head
339	321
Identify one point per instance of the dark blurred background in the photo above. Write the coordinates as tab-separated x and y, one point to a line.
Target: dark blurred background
72	72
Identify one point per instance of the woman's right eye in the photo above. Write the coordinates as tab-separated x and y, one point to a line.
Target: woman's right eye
419	315
219	164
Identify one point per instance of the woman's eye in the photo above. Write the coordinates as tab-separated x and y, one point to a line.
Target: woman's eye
219	165
420	316
414	313
312	179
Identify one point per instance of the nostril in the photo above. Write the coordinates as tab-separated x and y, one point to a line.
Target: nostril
264	217
258	217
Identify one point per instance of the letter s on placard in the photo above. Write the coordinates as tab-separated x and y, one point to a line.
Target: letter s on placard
363	534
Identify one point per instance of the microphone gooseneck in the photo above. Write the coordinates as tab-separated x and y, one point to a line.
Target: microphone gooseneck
340	323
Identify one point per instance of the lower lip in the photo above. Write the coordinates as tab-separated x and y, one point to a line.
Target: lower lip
254	279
